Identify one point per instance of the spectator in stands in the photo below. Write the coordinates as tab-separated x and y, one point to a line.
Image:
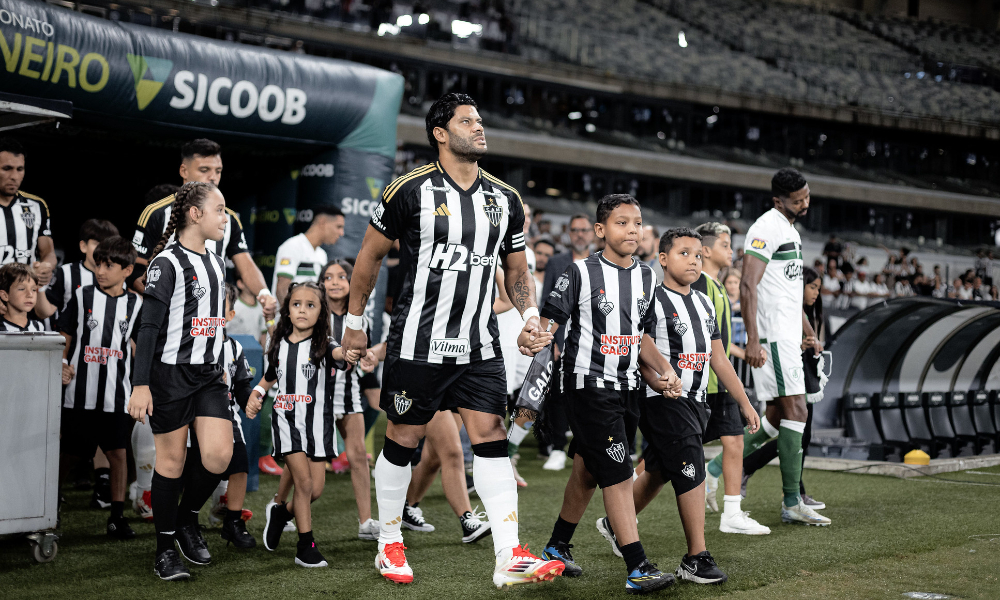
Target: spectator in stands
965	291
846	286
832	283
903	288
954	288
862	291
862	265
984	266
544	249
879	290
648	250
979	290
833	248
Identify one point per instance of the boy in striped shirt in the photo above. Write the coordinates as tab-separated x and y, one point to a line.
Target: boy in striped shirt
686	333
98	323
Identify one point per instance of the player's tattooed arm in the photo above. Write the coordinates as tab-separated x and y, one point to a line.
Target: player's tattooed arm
518	282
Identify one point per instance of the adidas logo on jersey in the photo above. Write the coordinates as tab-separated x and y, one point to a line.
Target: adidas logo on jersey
442	211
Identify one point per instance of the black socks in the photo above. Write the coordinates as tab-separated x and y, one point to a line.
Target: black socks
164	495
633	555
562	532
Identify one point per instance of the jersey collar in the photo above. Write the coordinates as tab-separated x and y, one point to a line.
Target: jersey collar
635	263
458	188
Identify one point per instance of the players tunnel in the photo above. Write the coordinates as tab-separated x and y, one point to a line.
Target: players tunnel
295	130
917	372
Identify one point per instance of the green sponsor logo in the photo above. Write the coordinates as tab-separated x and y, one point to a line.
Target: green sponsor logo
374	186
149	75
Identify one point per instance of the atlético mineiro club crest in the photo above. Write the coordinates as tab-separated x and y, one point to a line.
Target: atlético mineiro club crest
196	290
617	452
28	217
679	326
604	305
494	212
123	326
91	322
642	305
308	370
688	471
403	403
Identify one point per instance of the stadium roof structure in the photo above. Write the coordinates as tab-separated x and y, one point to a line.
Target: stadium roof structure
18	111
913	345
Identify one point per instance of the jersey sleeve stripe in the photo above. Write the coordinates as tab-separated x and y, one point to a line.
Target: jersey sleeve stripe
391	189
235	216
34	197
502	184
760	256
146	214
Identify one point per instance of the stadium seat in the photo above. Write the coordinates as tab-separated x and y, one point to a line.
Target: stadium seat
861	424
890	420
916	424
961	422
979	408
936	407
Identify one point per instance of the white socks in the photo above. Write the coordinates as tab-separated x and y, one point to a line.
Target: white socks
798	426
494	479
391	482
516	433
768	428
144	449
731	505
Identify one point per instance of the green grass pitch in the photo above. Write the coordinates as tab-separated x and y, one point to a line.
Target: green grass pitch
889	536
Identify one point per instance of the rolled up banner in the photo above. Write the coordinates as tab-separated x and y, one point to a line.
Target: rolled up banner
536	382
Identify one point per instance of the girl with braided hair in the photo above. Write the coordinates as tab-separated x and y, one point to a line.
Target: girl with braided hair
178	382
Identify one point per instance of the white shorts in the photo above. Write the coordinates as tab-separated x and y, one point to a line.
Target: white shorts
782	374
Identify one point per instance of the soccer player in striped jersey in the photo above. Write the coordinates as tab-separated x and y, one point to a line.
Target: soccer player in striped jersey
301	362
71	276
771	298
178	380
201	160
19	297
25	230
99	326
725	422
455	224
687	334
229	495
603	301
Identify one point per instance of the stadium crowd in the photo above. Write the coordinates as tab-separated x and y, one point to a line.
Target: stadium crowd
149	320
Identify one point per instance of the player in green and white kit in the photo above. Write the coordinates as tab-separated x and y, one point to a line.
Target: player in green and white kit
771	298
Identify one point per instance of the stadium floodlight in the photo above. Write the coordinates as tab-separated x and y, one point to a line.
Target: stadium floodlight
712	119
573	116
682	40
590	127
404	21
423	18
464	29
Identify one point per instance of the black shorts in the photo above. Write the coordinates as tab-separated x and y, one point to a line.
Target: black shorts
83	431
412	392
239	463
603	422
369	382
725	418
183	392
681	462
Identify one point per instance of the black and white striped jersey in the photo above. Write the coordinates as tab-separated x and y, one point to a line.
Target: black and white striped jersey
21	224
67	279
33	326
604	309
238	372
684	330
153	221
192	286
451	241
101	327
346	393
303	418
